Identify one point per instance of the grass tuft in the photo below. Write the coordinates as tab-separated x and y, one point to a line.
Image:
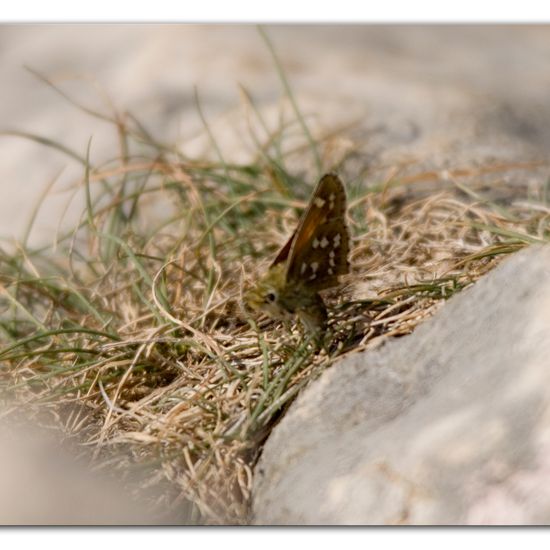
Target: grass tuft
129	332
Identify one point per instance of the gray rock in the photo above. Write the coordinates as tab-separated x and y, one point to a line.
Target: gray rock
450	425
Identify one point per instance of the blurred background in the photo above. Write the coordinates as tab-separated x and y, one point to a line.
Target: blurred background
441	96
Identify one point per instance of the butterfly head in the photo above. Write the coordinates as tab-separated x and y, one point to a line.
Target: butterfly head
266	293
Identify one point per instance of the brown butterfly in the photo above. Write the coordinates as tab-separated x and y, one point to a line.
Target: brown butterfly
312	260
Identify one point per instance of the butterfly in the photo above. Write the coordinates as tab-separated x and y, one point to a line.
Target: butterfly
312	260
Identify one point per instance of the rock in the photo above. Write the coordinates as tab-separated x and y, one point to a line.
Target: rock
44	483
449	425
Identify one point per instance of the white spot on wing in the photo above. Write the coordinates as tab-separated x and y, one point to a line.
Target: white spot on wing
324	242
319	202
315	243
303	268
337	240
314	266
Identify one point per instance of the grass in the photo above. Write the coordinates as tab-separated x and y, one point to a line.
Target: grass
130	335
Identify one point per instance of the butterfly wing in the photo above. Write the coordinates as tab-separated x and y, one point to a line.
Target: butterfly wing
282	256
317	253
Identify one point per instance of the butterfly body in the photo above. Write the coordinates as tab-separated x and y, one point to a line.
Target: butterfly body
311	260
283	301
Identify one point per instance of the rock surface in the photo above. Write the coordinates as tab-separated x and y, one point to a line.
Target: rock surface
449	425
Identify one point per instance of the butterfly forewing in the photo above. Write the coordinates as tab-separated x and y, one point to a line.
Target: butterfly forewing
318	250
314	215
